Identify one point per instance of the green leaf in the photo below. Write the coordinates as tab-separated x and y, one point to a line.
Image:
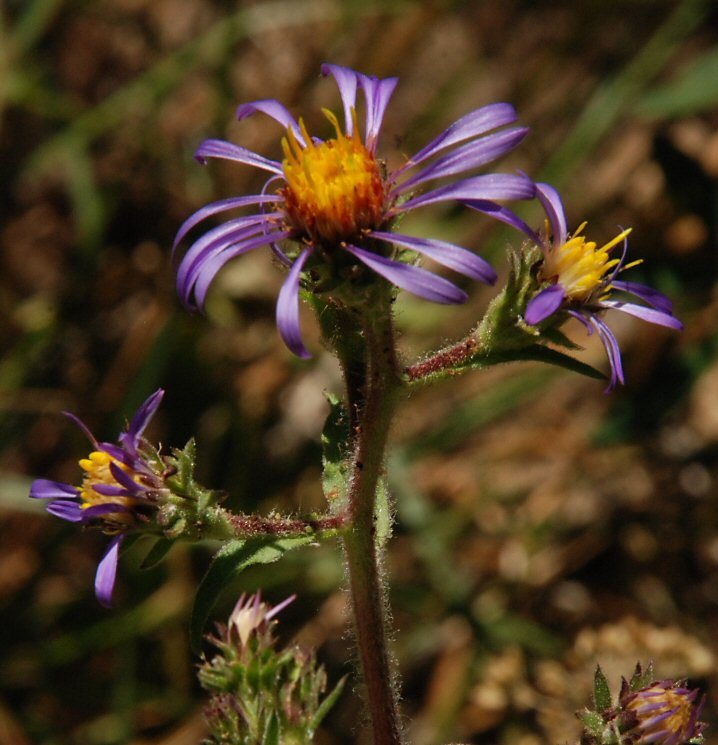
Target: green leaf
325	706
693	91
158	552
335	442
601	691
535	353
233	558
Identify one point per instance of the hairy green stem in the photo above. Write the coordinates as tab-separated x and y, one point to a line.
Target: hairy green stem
378	394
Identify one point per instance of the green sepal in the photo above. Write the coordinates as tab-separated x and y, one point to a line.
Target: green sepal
325	706
271	731
154	556
601	691
642	678
335	439
233	558
593	722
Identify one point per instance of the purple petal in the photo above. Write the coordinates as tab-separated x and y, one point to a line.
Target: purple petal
100	510
504	214
346	81
207	270
219	238
77	421
447	254
276	111
229	151
377	94
580	317
647	294
46	489
467	157
123	478
143	416
411	278
221	206
106	572
474	123
612	350
544	304
280	607
490	186
116	452
66	510
108	490
288	308
651	315
553	206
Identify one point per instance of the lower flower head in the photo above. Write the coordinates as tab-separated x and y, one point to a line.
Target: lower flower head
664	713
578	278
328	209
118	492
253	616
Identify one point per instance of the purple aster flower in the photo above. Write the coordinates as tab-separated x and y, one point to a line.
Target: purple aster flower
579	278
663	713
328	209
118	490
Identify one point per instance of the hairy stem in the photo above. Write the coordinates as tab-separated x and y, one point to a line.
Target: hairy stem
378	394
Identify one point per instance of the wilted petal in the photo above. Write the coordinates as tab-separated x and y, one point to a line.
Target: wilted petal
346	81
447	254
79	423
651	315
411	278
220	206
553	206
229	151
544	304
275	110
490	186
648	294
473	124
106	572
288	308
47	489
467	157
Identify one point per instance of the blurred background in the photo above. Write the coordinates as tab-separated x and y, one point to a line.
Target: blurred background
542	526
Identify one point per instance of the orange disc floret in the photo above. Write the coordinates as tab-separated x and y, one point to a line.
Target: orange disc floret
334	189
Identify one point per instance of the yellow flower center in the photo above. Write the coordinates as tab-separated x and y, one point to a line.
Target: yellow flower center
97	472
579	266
335	188
665	700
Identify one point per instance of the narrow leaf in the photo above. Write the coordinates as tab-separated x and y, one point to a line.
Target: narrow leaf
229	561
326	705
156	553
335	443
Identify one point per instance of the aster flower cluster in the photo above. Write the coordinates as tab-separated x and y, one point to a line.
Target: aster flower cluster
120	491
329	213
661	712
259	693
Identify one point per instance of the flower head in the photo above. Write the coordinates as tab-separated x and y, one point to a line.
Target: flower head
663	713
118	490
328	209
579	277
251	615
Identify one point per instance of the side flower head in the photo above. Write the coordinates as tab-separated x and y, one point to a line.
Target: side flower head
251	615
663	713
118	492
579	278
328	210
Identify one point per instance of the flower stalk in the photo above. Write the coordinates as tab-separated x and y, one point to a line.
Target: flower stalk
378	394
